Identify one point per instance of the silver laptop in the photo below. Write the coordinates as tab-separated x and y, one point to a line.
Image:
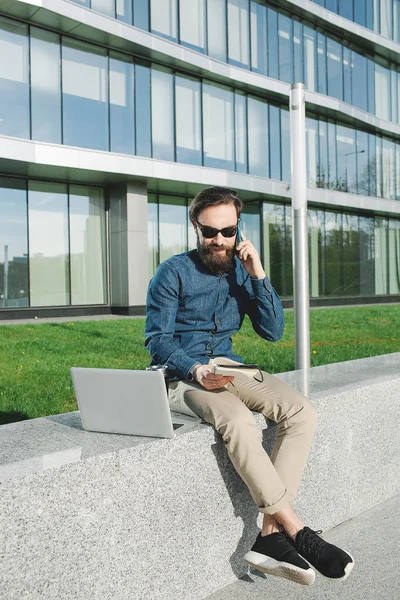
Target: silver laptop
129	402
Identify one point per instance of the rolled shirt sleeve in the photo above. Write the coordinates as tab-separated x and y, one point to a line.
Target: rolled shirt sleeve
265	310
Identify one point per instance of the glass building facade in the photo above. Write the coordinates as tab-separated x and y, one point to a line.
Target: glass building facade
253	35
61	91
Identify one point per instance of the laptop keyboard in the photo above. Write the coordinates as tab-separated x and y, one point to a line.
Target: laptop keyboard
177	425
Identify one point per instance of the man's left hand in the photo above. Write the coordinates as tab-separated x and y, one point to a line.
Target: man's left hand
250	258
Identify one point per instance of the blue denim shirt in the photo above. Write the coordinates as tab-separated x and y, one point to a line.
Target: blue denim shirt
193	313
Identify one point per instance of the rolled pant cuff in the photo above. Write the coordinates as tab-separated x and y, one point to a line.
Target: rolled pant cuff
284	501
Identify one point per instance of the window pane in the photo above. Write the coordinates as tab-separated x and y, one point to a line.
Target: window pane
316	271
397	171
332	162
389	169
382	92
370	14
351	256
346	9
106	7
250	223
366	256
273	62
274	245
310	68
298	51
241	132
312	151
346	76
238	32
285	48
192	18
394	256
360	12
332	244
216	29
381	254
359	81
363	164
141	14
162	112
321	58
142	110
87	245
259	38
164	18
152	233
14	79
332	5
188	121
334	62
371	86
258	137
396	20
124	11
395	107
387	18
346	159
275	142
288	291
379	177
372	172
122	116
85	102
323	162
285	145
48	244
45	86
173	226
14	290
218	127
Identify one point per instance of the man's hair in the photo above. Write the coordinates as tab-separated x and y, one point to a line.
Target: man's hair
214	196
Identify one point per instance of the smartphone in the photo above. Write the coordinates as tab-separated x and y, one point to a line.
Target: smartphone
238	235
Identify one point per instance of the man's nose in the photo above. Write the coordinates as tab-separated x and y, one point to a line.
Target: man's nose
219	239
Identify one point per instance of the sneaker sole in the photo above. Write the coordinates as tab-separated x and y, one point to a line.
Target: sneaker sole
269	565
348	569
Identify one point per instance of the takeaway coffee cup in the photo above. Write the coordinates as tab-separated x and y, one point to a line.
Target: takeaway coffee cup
163	369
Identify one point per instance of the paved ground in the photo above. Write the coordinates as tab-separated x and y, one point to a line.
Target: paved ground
372	538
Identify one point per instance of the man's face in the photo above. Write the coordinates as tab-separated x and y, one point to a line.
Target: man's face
217	253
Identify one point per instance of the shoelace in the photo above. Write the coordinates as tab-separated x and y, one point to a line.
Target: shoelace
311	542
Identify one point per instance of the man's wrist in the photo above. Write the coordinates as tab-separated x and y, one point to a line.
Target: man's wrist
192	372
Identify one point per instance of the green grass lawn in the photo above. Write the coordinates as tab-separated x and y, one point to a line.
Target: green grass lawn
35	359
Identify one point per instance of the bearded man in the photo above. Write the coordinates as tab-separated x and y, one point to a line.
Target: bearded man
196	301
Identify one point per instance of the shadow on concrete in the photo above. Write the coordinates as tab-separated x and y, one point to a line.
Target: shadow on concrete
241	499
12	417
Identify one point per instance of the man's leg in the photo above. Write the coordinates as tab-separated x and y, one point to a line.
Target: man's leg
296	419
271	554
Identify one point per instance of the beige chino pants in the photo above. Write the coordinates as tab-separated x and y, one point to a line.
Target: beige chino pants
272	481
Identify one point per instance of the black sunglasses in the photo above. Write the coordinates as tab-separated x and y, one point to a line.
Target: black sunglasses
211	232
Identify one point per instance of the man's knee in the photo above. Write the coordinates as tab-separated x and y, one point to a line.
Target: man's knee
237	424
306	414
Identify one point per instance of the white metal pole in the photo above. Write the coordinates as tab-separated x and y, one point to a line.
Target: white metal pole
301	295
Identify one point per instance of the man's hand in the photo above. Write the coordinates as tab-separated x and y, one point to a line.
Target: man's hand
211	381
250	258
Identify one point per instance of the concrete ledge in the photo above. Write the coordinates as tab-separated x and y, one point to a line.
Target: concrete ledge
86	515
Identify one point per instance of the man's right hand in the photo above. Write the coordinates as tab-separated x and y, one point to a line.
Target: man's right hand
211	381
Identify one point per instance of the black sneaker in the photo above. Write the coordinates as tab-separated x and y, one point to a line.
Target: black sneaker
329	560
274	554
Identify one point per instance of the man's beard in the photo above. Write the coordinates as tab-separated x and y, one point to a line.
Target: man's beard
218	264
